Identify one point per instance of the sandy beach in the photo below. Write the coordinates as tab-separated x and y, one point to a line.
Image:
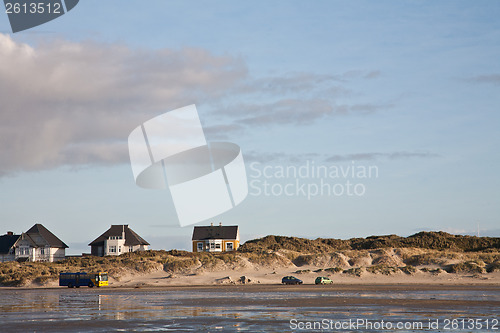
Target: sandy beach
272	277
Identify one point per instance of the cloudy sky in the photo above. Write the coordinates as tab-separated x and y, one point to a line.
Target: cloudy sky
409	89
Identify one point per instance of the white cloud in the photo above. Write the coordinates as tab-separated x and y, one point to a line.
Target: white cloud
66	103
75	103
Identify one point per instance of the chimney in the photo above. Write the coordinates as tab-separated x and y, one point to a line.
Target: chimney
123	231
10	233
220	224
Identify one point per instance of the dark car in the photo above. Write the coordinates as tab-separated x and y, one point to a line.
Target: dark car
291	280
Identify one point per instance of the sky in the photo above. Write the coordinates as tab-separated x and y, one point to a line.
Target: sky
397	100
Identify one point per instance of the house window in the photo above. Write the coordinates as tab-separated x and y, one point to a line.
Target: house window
42	251
200	247
119	249
217	245
130	249
112	249
212	245
229	246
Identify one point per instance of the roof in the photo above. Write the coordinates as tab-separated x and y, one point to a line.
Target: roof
7	242
215	232
49	237
131	238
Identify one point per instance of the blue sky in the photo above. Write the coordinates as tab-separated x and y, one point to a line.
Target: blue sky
409	87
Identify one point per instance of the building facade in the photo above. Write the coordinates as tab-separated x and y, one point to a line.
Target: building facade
37	244
216	238
117	240
7	248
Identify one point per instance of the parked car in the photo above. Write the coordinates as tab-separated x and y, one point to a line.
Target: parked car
323	280
291	280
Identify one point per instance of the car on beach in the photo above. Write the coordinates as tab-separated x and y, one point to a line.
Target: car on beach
323	280
291	280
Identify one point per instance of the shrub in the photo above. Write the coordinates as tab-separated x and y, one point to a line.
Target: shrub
465	267
302	271
382	269
353	271
495	267
408	269
334	270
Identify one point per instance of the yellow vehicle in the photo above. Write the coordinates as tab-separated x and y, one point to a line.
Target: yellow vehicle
83	279
101	279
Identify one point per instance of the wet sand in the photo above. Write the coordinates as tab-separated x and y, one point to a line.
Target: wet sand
227	308
331	295
327	295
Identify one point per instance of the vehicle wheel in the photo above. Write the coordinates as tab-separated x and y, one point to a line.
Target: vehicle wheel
70	285
77	286
91	285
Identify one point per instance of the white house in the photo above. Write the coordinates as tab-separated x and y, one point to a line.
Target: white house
37	244
117	240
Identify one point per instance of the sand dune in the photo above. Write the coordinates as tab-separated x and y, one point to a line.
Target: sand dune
438	258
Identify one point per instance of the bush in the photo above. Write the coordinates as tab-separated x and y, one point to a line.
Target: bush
302	271
495	267
334	270
408	269
353	271
382	269
465	267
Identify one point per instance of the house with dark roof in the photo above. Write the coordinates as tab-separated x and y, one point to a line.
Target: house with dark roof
216	238
36	244
117	240
7	249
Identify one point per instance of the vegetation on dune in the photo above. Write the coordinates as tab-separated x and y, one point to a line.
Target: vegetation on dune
334	270
494	267
18	274
424	240
466	267
431	252
358	271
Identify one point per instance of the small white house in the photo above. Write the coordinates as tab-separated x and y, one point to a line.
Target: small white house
37	244
117	240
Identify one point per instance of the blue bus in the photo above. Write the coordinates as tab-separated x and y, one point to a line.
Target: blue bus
83	279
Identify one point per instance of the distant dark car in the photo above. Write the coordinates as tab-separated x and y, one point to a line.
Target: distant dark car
323	280
291	280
